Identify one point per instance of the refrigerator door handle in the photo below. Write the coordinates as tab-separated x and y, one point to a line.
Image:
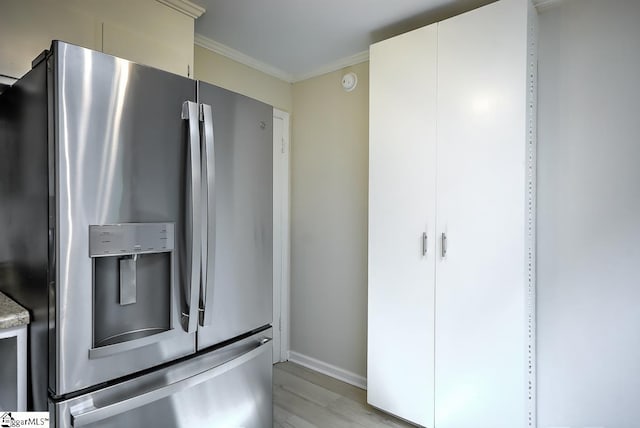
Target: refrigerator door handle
96	414
190	113
209	213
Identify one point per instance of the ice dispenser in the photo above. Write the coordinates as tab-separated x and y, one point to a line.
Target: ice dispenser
133	284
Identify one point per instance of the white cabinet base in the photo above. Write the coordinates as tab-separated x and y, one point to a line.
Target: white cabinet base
13	375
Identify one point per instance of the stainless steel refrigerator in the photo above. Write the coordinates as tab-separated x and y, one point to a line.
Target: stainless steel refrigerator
136	218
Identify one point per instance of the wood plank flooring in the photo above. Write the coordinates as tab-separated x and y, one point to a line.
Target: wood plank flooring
303	398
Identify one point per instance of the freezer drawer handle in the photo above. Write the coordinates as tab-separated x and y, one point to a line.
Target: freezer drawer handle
209	216
97	414
190	112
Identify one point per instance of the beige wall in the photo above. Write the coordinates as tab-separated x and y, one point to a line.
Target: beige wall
329	176
229	74
329	220
143	30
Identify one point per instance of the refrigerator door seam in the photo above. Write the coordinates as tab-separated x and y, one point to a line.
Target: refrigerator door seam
209	238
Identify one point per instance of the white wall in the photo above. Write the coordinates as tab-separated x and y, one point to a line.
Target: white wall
589	215
329	220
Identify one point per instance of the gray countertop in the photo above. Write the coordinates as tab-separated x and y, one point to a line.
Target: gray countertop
11	313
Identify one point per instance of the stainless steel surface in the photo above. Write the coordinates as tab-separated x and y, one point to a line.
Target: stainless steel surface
131	238
229	387
443	245
190	113
128	280
24	261
242	288
130	340
209	216
100	180
113	409
424	243
120	156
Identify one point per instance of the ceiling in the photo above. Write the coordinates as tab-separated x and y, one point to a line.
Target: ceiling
298	39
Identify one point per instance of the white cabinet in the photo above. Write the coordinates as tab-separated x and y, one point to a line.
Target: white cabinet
13	354
402	191
451	221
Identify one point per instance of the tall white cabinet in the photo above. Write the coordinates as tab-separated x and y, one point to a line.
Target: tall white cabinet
402	226
451	329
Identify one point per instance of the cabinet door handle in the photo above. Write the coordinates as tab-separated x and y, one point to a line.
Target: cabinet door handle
424	243
444	245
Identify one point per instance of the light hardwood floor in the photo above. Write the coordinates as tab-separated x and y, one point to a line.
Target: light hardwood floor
303	398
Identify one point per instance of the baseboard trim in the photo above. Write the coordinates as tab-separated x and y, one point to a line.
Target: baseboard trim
328	369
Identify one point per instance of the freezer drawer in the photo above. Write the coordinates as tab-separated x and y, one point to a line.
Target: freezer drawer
228	387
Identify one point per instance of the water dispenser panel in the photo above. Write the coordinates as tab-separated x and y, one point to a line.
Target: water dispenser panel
133	277
130	238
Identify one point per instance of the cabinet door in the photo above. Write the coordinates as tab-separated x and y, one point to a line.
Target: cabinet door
480	283
402	173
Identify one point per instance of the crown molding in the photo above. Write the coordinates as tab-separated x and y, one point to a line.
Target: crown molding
542	5
334	66
249	61
185	6
238	56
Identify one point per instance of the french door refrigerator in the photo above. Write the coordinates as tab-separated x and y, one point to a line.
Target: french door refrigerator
136	209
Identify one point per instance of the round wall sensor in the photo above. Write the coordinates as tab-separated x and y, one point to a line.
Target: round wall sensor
349	81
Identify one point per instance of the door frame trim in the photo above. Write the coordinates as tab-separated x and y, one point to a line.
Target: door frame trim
281	236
